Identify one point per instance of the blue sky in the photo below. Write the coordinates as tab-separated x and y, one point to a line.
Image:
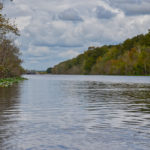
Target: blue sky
56	30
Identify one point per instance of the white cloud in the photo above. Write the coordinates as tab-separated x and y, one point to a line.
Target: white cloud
37	51
23	22
69	54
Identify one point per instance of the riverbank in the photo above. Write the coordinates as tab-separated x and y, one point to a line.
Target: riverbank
6	82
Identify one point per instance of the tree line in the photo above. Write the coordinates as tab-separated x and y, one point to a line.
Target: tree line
10	62
132	57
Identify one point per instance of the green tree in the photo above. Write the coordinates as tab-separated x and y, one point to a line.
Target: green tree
10	63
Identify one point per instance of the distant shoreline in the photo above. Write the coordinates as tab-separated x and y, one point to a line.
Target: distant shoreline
132	57
85	74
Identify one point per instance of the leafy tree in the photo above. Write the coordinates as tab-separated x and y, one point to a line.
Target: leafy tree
49	70
10	63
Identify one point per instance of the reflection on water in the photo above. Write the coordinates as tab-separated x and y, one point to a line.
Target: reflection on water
76	113
8	114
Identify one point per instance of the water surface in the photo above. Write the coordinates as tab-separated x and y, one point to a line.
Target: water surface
64	112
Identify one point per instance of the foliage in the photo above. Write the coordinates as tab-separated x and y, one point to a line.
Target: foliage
10	63
10	81
132	57
49	70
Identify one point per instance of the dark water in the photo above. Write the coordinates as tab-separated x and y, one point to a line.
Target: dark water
76	113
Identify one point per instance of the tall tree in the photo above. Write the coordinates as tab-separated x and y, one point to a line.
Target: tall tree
10	63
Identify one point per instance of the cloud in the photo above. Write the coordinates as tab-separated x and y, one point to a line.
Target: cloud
69	54
138	9
132	7
23	22
103	13
38	51
54	31
70	15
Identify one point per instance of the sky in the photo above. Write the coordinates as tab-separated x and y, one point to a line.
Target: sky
53	31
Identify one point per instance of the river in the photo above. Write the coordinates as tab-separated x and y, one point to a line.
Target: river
75	112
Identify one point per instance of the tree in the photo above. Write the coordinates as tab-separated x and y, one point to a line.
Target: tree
10	63
49	70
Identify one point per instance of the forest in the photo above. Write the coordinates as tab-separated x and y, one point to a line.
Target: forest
132	57
10	62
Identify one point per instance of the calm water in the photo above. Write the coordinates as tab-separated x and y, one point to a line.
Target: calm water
53	112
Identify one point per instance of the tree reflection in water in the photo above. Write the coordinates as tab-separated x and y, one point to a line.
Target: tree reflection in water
9	101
